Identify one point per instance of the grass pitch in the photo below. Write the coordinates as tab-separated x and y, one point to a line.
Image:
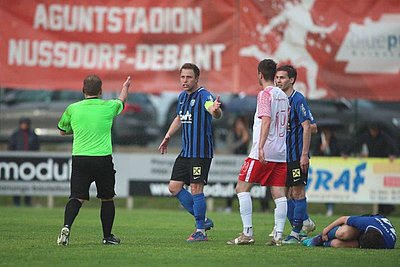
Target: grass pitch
153	237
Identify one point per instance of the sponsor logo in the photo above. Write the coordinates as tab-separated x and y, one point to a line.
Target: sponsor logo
296	173
35	171
185	118
160	189
196	171
372	41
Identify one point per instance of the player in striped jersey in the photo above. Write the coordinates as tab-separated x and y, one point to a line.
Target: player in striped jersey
367	231
298	145
266	163
195	110
308	224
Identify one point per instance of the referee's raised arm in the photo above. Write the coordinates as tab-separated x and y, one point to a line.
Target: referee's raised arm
125	88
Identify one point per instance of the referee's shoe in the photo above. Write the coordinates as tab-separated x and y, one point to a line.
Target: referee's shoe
111	240
63	238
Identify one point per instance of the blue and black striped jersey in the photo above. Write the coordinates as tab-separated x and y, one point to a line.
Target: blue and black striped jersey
377	222
299	112
196	127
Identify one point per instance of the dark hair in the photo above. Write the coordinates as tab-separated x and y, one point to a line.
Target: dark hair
374	125
291	71
372	239
25	120
193	67
92	85
267	67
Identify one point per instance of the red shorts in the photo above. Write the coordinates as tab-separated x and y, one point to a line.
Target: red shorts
270	174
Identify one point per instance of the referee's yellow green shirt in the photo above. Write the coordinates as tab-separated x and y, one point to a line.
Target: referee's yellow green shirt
90	121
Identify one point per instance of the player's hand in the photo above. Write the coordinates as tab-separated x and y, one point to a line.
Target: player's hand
261	156
325	234
216	105
164	144
127	83
304	163
324	237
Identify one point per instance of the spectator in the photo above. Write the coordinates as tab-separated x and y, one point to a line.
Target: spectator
239	138
23	139
327	145
375	143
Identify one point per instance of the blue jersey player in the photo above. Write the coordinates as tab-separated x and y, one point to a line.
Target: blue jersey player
298	141
195	110
367	231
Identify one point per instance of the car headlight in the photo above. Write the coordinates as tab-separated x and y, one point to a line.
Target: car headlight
396	122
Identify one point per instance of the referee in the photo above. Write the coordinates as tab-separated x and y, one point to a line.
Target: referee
195	110
90	122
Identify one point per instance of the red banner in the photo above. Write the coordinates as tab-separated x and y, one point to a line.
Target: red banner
54	45
340	50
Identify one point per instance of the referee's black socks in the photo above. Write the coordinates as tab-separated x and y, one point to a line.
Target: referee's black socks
71	211
107	215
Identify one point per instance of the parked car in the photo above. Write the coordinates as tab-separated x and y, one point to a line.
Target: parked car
351	117
165	103
135	125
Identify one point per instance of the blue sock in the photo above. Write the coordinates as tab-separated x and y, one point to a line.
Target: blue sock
332	233
199	208
186	199
290	210
306	217
299	211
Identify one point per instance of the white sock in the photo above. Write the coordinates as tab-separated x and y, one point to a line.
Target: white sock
280	216
246	211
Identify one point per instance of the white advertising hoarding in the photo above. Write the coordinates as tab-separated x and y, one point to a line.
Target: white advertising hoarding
337	180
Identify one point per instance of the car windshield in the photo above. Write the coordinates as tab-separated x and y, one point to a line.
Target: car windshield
24	96
68	95
138	98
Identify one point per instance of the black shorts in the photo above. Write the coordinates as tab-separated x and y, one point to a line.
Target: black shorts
88	169
294	175
191	170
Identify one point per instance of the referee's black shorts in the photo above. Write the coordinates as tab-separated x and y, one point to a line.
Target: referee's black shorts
88	169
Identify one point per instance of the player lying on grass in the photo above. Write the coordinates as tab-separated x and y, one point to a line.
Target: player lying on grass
366	231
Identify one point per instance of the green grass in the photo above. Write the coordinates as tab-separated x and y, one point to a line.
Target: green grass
155	237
